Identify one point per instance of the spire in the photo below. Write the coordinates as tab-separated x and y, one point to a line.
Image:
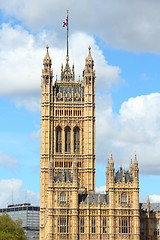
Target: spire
111	161
107	166
89	73
131	166
47	53
135	161
148	204
89	50
47	59
89	59
135	170
47	72
123	176
111	170
47	62
67	74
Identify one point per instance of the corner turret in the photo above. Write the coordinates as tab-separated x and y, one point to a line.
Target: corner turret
89	73
111	170
135	170
47	73
107	175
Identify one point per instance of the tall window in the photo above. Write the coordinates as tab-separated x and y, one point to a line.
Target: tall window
62	225
76	140
123	199
93	225
82	225
59	139
142	228
124	225
104	225
67	139
63	198
156	228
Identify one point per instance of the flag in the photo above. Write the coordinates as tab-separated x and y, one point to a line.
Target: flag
65	23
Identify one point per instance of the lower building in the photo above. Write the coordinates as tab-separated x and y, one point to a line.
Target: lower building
28	214
72	213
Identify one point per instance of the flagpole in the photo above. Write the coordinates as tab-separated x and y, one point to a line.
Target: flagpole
67	35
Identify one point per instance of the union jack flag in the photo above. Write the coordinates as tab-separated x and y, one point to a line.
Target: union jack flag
65	23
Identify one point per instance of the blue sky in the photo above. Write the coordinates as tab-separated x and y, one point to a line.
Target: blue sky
124	37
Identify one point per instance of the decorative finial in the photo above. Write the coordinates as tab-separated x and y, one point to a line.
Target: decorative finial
89	50
67	58
111	158
67	10
120	163
47	57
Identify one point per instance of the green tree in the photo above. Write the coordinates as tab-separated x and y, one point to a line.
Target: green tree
11	230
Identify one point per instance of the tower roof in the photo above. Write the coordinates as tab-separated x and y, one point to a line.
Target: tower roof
67	74
89	59
47	59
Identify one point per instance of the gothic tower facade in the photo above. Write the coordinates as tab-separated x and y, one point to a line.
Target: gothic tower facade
67	126
69	207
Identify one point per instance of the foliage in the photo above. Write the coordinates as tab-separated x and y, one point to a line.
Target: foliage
11	230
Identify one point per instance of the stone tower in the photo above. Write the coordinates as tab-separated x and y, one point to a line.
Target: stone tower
67	130
123	190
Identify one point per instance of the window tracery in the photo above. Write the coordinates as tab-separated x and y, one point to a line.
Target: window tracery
76	139
68	139
59	139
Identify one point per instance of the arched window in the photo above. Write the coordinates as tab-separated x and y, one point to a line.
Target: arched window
104	225
76	139
124	225
123	199
58	139
67	139
93	225
82	225
63	197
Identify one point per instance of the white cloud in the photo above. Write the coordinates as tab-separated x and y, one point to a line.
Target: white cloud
101	189
12	192
107	19
154	198
8	162
22	57
136	127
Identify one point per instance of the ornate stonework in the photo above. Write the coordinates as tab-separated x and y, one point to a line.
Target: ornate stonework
69	206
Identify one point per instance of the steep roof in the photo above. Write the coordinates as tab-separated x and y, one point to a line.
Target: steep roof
119	176
154	207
